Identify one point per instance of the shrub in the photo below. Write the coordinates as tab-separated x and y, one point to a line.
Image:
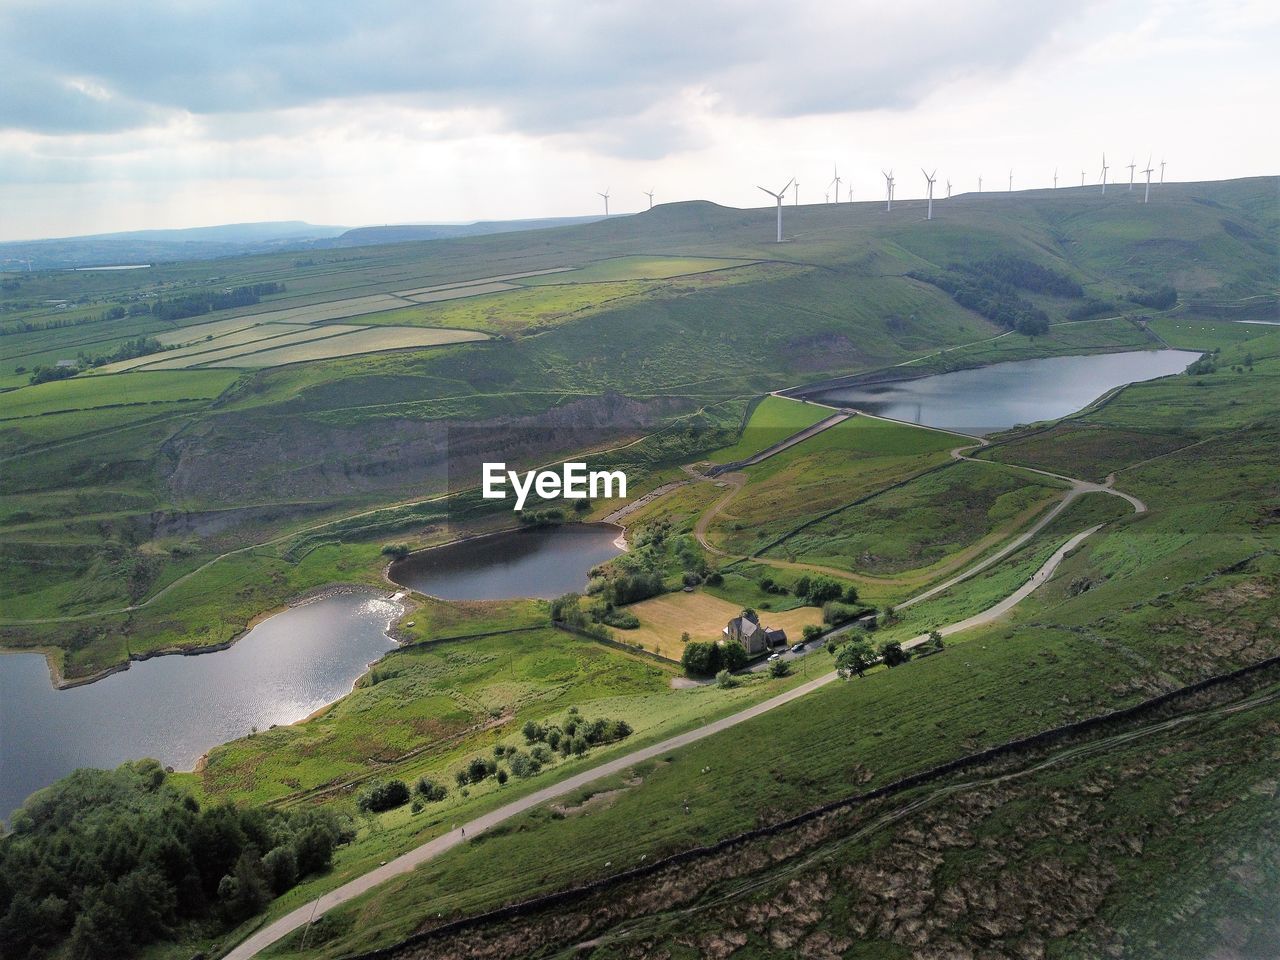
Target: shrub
834	612
384	796
725	681
396	550
779	668
701	659
280	867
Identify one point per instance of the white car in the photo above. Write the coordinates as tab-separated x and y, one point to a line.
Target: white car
776	656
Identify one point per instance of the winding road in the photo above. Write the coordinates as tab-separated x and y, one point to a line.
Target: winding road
406	862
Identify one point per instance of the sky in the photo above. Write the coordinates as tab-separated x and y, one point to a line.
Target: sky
187	113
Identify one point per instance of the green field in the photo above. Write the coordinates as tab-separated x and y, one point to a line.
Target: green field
772	420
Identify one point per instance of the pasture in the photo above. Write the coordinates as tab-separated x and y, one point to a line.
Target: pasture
637	268
362	340
664	618
773	420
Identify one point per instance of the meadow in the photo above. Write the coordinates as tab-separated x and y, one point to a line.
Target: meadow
703	616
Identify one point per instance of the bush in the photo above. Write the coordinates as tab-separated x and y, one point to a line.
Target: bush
1160	298
779	668
893	655
397	550
477	770
811	632
533	732
835	613
733	655
725	681
384	796
701	659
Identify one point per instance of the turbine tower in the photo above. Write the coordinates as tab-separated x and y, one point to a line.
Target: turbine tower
795	194
778	197
606	200
835	179
1011	180
649	194
1162	172
1082	176
888	188
948	188
1131	166
979	183
1147	194
1105	168
930	178
1055	178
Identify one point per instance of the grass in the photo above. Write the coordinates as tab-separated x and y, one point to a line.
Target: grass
772	420
364	340
83	393
703	616
826	472
932	523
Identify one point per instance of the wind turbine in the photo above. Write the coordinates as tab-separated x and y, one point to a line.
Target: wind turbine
778	196
1082	176
649	194
930	177
1131	166
948	188
1162	172
1147	194
1011	180
795	194
979	183
1055	178
1105	168
888	188
836	180
606	200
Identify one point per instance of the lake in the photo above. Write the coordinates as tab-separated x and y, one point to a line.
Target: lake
987	399
543	562
174	708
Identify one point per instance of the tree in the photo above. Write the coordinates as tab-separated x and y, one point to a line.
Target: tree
733	655
701	659
725	681
280	867
893	655
856	656
779	668
384	796
933	645
802	586
811	632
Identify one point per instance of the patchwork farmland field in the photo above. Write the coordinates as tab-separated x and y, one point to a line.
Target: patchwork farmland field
773	420
362	340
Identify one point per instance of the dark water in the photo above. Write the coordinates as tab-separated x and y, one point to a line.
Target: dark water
545	562
175	708
1004	394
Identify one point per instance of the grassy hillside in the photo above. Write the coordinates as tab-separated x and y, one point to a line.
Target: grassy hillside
321	437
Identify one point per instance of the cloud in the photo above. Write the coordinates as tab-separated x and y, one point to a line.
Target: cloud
621	75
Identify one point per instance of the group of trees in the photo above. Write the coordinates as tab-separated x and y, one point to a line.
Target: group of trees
821	589
137	347
991	287
708	659
195	304
103	863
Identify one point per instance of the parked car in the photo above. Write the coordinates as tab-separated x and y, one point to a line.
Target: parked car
775	656
797	648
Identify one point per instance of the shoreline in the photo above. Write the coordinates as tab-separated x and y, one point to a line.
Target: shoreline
61	682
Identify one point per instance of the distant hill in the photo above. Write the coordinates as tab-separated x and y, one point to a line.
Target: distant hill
398	233
239	239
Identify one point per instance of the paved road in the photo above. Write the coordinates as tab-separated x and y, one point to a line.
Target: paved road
433	848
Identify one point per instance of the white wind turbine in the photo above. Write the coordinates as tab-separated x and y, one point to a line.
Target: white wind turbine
1011	180
835	179
1147	194
795	194
606	200
778	197
1161	171
649	194
1105	168
1082	176
1055	178
930	178
948	188
888	188
1131	166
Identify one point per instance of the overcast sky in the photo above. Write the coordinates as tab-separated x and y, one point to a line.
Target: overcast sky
166	114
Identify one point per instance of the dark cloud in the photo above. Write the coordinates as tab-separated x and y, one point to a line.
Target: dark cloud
599	70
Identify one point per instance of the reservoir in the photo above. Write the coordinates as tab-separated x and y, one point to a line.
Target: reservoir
543	562
174	708
988	399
